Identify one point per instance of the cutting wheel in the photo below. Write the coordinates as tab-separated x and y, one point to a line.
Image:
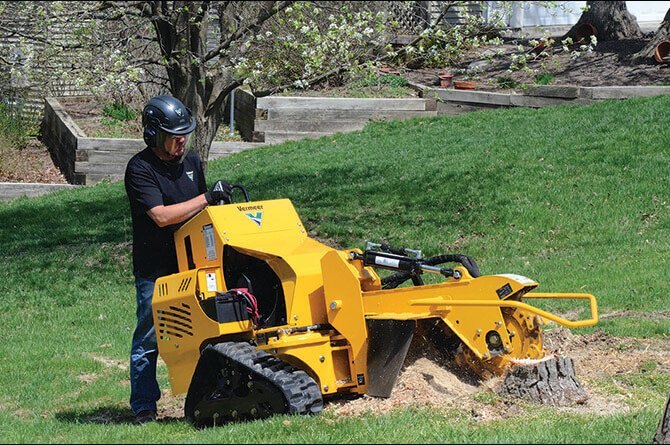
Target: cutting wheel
525	333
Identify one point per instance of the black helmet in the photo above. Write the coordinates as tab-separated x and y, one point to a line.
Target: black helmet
168	115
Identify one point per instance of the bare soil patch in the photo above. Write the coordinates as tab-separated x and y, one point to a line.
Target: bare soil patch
32	164
609	64
87	112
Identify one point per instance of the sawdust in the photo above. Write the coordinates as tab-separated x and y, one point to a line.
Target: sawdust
429	380
600	355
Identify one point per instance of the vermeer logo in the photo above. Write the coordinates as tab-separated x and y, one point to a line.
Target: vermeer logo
245	208
255	217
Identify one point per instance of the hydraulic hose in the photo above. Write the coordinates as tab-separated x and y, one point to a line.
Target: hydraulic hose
395	280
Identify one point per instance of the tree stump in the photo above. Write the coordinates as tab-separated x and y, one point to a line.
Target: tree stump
550	381
663	431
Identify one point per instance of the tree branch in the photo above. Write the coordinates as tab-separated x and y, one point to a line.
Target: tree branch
265	15
221	97
316	79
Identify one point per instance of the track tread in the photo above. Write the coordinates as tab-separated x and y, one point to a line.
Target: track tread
300	392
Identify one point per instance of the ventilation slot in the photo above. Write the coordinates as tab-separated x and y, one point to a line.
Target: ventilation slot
174	321
162	289
184	284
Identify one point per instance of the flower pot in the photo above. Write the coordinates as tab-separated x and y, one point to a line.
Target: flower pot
539	48
465	85
446	79
662	52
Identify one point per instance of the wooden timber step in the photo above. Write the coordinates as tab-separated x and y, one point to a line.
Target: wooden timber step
343	103
94	164
276	137
308	126
290	113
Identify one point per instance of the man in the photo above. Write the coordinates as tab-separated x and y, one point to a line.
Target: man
166	186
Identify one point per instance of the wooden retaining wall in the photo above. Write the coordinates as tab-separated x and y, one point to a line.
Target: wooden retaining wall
86	161
11	190
452	101
276	119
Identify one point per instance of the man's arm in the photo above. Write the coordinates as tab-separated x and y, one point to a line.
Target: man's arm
176	213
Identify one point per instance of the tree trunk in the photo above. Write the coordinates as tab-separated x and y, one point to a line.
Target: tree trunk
205	131
189	81
663	432
611	20
663	33
200	72
551	381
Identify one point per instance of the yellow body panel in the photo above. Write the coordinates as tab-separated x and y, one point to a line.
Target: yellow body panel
331	367
182	325
346	313
327	298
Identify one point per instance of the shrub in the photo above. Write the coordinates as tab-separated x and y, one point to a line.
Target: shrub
506	82
119	111
16	129
544	78
392	80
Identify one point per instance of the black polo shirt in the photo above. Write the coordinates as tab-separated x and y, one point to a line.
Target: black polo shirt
151	182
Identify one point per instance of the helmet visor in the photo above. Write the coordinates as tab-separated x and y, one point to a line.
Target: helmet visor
176	146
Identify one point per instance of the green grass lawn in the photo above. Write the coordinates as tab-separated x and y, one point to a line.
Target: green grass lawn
577	198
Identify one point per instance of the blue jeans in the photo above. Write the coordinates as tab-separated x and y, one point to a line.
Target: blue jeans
144	390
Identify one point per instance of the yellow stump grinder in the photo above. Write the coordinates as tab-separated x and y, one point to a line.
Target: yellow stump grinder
261	319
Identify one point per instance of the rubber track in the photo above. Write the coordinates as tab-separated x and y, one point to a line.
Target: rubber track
300	391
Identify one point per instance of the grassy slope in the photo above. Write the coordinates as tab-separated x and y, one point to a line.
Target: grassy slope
575	197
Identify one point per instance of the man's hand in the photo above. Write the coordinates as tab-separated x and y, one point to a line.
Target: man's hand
220	191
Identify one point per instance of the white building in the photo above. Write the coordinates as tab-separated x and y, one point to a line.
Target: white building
525	14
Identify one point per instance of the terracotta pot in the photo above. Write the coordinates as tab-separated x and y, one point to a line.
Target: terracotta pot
662	52
537	50
465	85
446	80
